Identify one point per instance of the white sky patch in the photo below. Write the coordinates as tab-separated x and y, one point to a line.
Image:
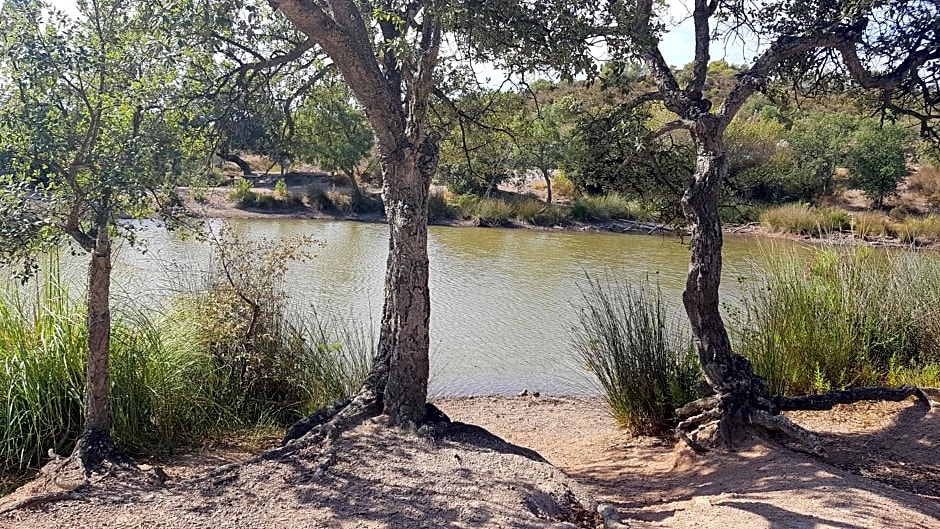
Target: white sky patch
677	46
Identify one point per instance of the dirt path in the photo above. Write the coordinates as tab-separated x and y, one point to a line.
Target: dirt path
759	486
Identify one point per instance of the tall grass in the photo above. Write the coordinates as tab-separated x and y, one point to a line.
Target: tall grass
171	383
845	318
644	361
608	207
806	220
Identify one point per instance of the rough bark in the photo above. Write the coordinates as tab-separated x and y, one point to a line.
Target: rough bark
404	339
394	94
95	441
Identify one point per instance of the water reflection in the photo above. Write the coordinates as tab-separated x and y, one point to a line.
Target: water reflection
503	301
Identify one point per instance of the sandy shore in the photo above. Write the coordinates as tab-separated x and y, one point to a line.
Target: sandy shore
882	469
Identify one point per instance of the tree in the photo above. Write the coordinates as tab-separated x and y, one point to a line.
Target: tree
332	133
540	143
818	144
891	49
391	74
479	152
92	137
877	161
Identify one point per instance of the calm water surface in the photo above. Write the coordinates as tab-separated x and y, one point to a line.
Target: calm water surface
503	301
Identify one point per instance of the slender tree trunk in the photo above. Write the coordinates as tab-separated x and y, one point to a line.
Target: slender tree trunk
548	185
94	444
728	374
354	188
403	340
235	159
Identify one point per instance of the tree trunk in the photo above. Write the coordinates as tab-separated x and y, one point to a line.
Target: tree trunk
548	185
235	159
94	444
728	374
354	189
403	340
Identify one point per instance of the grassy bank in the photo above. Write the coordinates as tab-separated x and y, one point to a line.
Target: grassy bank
840	319
801	219
849	317
524	209
180	373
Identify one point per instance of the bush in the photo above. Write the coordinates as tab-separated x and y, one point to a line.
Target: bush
534	211
318	200
280	189
607	207
914	231
849	318
493	212
439	209
645	362
194	369
562	186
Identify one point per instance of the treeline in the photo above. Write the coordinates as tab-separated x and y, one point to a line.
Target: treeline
574	139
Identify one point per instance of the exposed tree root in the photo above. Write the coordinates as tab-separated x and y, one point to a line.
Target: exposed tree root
64	478
40	499
718	417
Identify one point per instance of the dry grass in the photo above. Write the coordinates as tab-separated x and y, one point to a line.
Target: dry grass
870	224
925	181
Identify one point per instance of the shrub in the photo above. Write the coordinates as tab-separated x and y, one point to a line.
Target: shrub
196	368
466	205
342	202
913	231
439	209
562	186
644	361
493	212
280	189
318	200
842	320
534	211
607	207
241	190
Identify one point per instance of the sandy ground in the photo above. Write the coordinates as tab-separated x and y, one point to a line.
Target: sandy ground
758	486
882	469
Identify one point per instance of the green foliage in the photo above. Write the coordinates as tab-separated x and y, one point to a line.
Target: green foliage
877	161
533	211
818	143
492	212
611	151
177	374
479	153
751	144
245	197
330	132
93	133
644	361
845	318
608	207
280	189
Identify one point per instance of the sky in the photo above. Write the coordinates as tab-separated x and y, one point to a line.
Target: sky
677	45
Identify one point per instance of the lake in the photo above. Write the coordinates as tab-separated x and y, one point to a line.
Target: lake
503	301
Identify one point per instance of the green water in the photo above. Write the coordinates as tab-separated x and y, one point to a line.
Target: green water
503	301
